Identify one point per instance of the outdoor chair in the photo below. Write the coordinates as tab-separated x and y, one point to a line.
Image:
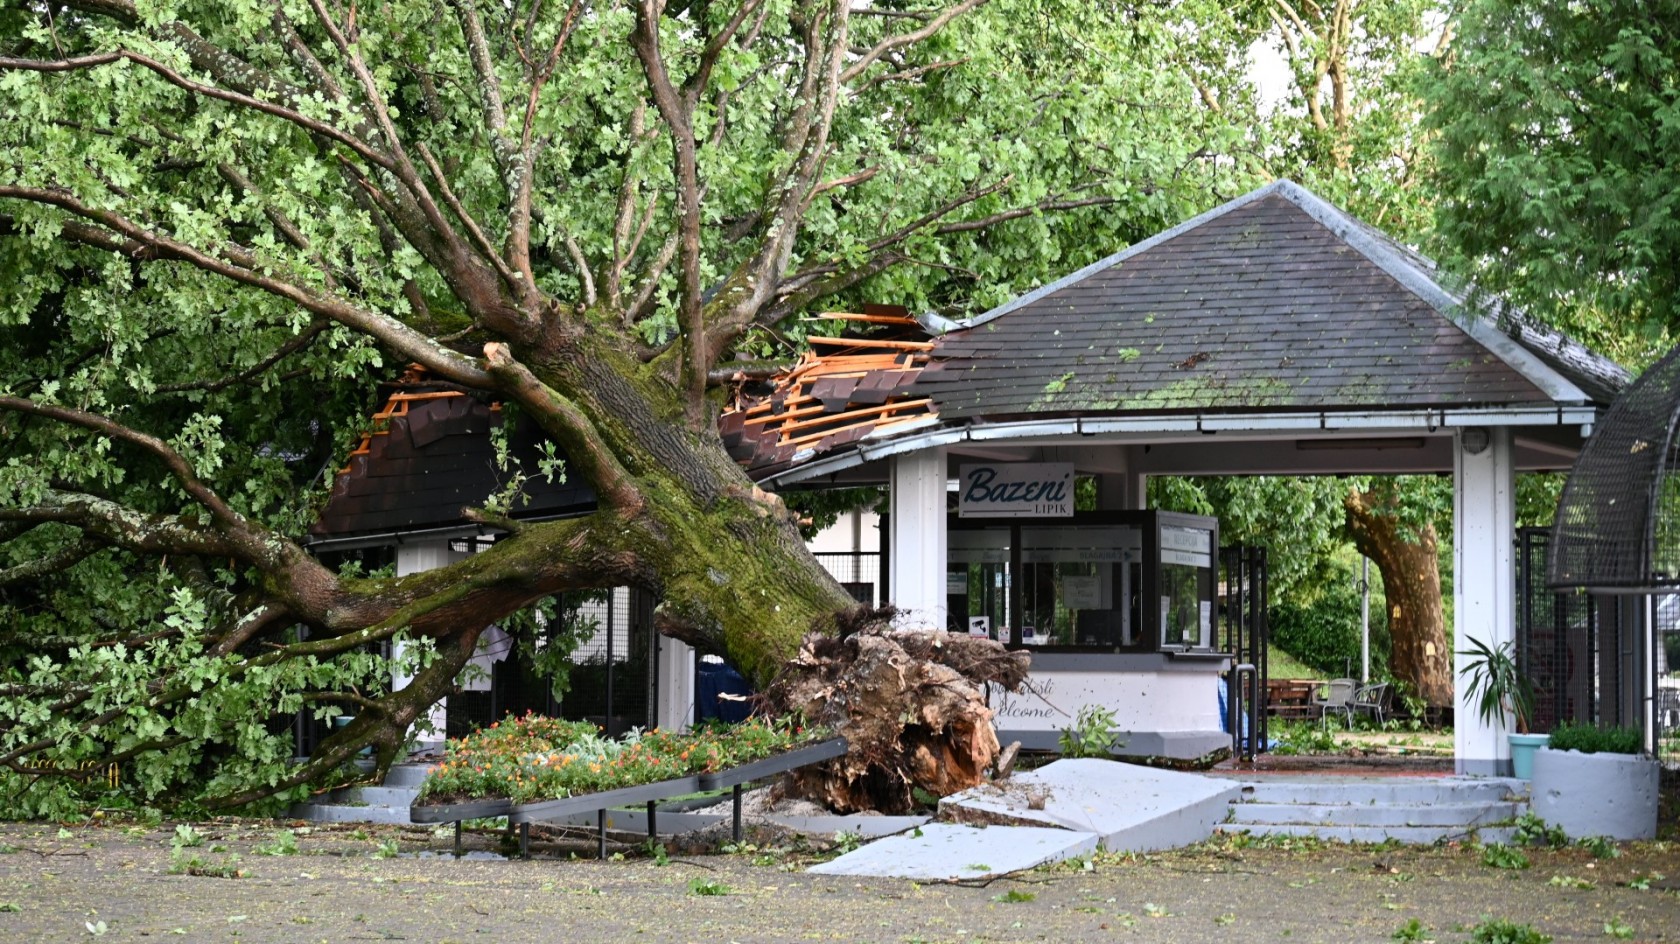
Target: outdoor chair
1668	709
1335	695
1372	700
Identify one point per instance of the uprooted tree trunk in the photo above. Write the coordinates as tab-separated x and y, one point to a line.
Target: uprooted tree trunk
912	706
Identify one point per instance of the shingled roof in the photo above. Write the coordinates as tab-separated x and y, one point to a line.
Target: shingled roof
1276	301
1276	304
430	456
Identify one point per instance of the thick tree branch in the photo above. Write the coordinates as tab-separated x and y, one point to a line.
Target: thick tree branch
486	248
700	78
401	166
625	217
519	224
806	135
677	114
66	556
642	305
226	518
127	528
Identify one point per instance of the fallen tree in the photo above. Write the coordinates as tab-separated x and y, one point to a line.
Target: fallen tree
222	223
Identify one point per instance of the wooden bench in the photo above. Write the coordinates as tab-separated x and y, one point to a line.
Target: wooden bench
1291	698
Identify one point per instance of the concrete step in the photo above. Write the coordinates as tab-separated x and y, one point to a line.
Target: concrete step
1410	791
371	796
407	775
1380	815
947	852
388	803
348	813
1130	808
1410	835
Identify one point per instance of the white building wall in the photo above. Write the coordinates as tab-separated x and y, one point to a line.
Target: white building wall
415	557
675	710
917	584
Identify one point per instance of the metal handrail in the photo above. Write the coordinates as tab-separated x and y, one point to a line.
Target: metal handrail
1233	721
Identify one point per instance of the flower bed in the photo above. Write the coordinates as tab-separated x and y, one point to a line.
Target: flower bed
532	758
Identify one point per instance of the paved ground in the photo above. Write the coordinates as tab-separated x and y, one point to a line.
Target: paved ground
55	883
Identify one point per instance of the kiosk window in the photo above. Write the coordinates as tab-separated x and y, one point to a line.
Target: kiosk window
1186	587
1078	586
977	581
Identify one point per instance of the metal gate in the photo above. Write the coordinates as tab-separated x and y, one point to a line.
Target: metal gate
1603	659
1557	641
1244	632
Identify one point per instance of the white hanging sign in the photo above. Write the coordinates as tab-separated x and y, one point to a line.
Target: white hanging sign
1015	490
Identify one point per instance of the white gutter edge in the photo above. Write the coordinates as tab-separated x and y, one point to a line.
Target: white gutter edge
1426	419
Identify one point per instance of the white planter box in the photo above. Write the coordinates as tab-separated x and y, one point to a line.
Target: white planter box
1612	795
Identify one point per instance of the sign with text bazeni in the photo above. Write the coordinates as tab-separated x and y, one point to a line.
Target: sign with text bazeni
1015	490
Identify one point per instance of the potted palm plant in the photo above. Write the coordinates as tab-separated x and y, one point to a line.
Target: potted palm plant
1501	690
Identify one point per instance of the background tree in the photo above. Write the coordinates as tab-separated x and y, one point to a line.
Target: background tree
1556	127
1346	124
220	224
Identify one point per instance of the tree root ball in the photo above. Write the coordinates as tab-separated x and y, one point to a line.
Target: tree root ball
912	704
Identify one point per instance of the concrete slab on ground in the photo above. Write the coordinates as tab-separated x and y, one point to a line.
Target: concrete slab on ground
946	851
1130	808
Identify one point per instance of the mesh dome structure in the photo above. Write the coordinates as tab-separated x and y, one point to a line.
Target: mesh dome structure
1618	523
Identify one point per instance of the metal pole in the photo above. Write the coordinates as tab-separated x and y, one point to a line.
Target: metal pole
1365	620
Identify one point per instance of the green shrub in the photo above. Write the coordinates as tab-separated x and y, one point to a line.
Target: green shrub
1589	739
1302	737
1092	734
1534	831
1325	633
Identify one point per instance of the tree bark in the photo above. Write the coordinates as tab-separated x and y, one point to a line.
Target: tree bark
1407	559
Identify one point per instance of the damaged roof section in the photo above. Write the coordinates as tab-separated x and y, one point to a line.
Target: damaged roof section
844	389
429	457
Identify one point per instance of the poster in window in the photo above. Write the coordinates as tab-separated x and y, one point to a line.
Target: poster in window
1081	592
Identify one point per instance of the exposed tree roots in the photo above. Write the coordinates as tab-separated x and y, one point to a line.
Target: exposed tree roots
912	704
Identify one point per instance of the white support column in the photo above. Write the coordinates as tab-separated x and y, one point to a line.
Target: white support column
1112	491
413	558
918	538
1137	483
675	710
1137	491
1484	582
